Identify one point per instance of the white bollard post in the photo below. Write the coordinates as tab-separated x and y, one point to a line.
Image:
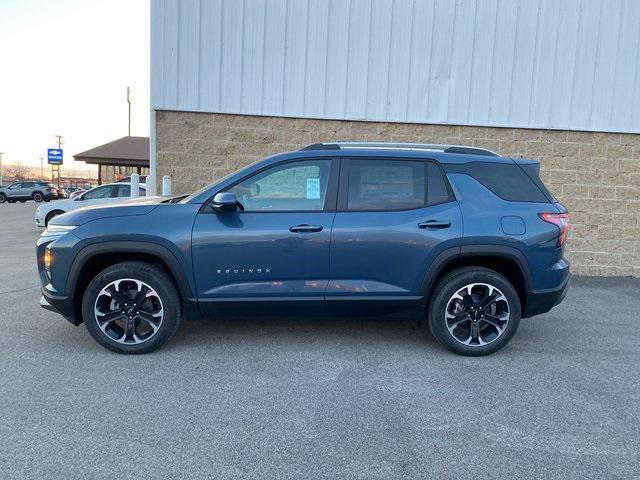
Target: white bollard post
135	185
151	184
166	186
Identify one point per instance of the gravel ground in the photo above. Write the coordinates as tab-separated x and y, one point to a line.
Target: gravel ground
317	398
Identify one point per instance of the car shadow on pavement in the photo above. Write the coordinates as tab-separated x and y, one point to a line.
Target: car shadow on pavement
303	330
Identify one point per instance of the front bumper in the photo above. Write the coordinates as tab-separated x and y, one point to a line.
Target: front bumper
59	304
541	301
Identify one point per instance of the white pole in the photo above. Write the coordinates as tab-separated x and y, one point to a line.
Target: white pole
135	185
1	184
151	179
166	186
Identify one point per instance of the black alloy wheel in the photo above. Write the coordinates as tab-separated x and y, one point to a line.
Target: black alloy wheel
475	311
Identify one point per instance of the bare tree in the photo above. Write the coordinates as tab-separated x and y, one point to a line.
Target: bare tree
17	171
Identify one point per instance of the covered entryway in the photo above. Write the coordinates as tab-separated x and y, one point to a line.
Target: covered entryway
118	159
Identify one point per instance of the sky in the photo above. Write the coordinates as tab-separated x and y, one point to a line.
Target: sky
64	69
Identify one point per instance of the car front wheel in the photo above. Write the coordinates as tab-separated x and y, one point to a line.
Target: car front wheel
3	198
474	311
131	307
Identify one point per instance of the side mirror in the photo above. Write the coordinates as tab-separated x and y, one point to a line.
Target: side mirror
225	202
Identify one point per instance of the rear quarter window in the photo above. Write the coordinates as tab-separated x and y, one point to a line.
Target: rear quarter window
507	181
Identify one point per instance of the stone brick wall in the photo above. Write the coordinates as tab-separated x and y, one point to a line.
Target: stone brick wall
596	175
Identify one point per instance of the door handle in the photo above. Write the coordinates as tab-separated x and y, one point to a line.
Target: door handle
434	224
305	228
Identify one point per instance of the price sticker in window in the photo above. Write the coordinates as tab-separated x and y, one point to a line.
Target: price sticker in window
313	188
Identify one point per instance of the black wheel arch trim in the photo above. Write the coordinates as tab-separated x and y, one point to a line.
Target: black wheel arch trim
154	249
504	251
450	254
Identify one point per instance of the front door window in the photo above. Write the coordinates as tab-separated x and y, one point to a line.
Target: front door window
295	186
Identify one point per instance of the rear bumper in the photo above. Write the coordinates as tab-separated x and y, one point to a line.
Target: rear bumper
541	301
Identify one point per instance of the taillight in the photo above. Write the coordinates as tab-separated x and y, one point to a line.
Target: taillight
561	220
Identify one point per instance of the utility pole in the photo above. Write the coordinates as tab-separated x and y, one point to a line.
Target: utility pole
129	102
1	153
60	143
41	167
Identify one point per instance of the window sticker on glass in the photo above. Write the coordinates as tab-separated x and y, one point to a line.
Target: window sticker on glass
313	188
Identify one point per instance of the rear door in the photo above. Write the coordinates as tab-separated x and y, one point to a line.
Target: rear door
27	189
395	216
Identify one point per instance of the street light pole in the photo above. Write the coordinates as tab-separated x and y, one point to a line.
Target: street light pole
129	102
1	183
41	167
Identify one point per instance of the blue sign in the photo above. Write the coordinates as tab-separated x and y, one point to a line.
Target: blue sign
54	156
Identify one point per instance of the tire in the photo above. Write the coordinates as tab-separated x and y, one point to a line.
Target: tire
115	333
3	198
38	197
51	215
458	320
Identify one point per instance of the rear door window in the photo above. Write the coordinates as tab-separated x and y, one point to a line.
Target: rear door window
386	184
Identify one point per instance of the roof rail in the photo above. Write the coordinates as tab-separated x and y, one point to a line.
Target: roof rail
462	149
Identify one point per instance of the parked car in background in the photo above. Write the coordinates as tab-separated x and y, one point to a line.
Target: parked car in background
333	229
143	179
104	194
76	193
28	190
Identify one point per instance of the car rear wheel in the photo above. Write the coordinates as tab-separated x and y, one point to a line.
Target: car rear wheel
38	197
475	311
131	307
52	215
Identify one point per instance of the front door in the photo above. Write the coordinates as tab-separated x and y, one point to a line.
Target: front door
395	216
274	252
14	191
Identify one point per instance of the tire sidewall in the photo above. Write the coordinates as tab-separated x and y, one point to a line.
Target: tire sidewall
453	283
152	276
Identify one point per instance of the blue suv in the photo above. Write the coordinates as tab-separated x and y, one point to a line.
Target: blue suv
467	239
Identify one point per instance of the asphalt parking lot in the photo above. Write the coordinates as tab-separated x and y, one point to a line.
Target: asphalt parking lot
316	398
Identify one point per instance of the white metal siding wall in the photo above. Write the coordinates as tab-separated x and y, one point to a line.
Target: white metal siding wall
567	64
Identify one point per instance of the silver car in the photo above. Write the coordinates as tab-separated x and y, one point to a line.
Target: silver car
23	191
